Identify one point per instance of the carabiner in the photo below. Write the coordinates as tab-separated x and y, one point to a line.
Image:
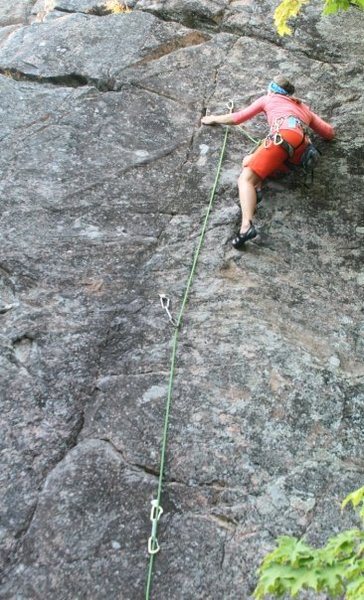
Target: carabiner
277	139
230	105
156	511
165	301
153	545
165	304
277	124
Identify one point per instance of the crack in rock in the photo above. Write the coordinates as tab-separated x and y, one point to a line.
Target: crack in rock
190	18
145	469
194	38
104	10
69	11
70	443
72	80
224	521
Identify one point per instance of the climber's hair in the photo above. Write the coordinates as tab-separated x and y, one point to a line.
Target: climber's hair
284	83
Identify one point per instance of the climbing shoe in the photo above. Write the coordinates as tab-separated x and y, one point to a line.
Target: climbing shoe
239	241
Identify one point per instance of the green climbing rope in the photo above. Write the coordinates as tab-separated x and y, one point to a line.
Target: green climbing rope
255	141
156	512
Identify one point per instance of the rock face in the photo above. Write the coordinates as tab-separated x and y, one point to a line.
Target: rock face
106	173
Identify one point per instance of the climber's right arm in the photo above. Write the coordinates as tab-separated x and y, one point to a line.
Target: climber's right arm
237	117
218	120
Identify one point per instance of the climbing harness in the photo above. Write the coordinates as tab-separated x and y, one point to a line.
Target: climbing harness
277	140
285	122
157	510
275	137
310	156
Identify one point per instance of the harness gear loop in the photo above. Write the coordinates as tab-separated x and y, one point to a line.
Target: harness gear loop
155	514
153	545
165	304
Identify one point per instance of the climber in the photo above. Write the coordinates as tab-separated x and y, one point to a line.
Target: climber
287	117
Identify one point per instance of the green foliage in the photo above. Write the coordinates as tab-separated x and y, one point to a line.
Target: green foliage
356	498
332	6
289	9
335	569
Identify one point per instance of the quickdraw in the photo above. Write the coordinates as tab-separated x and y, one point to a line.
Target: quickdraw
155	514
166	305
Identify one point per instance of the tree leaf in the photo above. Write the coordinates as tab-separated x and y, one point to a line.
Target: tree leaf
356	497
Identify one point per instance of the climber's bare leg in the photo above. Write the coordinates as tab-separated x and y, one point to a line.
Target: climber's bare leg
247	183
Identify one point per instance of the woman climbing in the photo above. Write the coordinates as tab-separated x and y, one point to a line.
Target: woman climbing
287	116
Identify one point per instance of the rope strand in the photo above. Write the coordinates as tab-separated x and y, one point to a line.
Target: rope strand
173	364
250	137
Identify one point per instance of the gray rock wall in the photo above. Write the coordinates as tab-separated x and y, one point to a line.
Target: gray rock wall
105	178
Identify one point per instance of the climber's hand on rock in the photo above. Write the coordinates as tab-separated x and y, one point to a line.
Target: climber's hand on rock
218	120
209	120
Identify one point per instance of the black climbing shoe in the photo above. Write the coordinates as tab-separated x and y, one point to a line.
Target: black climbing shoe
239	241
259	194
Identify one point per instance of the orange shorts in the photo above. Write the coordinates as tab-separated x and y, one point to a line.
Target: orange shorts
265	161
